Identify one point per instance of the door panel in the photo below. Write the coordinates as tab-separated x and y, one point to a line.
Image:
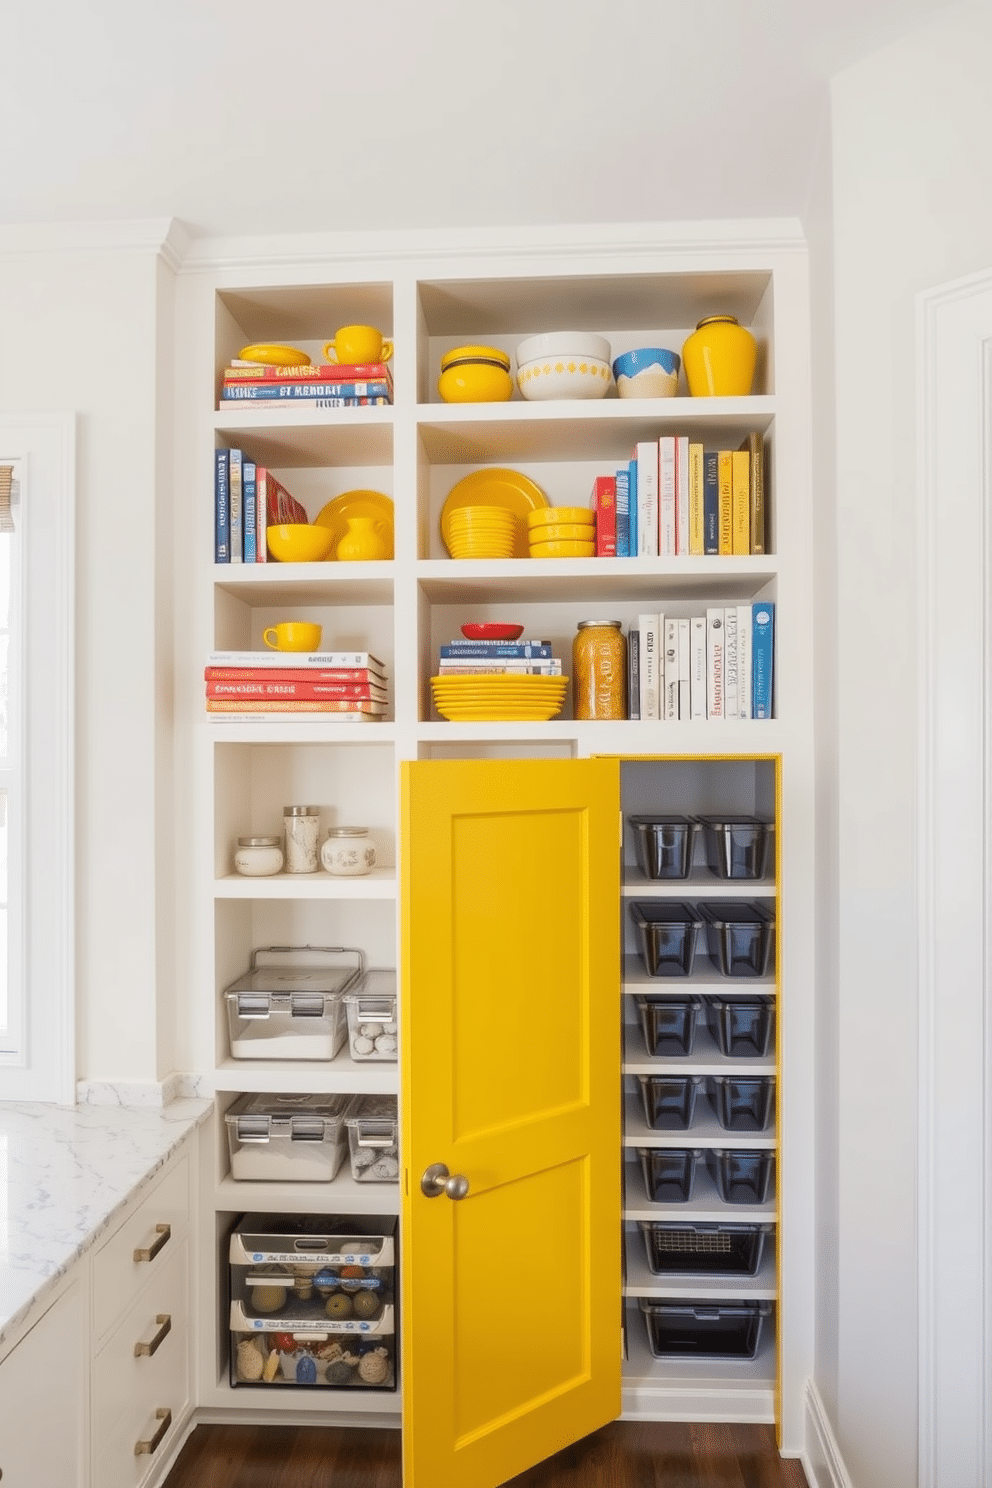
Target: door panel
510	988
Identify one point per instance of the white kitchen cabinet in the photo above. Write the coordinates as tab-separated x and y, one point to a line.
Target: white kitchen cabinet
648	287
48	1366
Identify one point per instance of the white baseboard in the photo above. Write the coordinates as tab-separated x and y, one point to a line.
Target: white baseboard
822	1462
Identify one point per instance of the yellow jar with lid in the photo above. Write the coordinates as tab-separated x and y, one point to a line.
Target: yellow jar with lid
719	358
599	670
475	374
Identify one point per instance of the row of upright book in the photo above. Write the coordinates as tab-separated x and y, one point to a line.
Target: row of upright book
675	498
247	501
328	385
717	666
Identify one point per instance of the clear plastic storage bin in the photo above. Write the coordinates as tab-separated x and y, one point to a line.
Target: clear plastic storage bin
669	1173
373	1138
668	1023
669	1100
698	1329
742	1103
739	935
664	845
742	1026
736	846
287	1138
289	1007
372	1025
741	1177
667	932
703	1249
312	1301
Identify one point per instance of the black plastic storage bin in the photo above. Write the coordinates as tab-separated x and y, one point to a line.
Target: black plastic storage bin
742	1027
668	1173
742	1103
736	846
669	1100
668	931
664	845
740	1177
669	1023
703	1249
699	1329
740	935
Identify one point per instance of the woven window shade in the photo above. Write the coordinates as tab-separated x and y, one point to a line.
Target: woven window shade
6	479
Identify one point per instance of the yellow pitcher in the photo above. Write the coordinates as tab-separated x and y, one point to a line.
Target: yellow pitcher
364	541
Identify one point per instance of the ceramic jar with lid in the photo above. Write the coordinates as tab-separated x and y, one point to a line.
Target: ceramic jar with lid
599	670
348	852
475	374
258	857
719	358
302	829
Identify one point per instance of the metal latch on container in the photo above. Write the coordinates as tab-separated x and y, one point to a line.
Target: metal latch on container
306	1129
375	1134
252	1128
253	1004
374	1010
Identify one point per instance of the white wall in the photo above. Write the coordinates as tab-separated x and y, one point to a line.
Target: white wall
912	207
80	332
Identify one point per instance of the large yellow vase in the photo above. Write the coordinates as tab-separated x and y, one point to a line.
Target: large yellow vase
719	358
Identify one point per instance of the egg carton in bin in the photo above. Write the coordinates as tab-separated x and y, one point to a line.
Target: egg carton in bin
372	1025
373	1139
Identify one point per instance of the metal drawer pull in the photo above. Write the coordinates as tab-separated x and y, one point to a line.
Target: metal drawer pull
145	1350
437	1181
149	1252
145	1448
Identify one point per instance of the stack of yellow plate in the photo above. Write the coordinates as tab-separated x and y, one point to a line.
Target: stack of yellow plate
481	532
503	698
562	532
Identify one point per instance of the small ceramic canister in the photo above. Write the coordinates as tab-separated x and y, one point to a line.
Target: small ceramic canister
348	852
258	857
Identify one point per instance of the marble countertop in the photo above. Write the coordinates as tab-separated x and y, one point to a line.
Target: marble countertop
65	1172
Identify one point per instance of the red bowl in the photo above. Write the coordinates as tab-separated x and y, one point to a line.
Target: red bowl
492	632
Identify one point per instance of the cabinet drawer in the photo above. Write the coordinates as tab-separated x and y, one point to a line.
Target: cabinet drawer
130	1388
117	1275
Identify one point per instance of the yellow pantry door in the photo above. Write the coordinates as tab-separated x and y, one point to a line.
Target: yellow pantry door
511	1290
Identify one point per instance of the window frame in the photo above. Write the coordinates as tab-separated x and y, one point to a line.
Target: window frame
42	449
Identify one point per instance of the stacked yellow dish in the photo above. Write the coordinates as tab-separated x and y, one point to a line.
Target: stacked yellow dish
502	698
481	532
562	532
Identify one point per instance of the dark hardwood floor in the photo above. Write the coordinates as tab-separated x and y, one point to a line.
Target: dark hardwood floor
625	1454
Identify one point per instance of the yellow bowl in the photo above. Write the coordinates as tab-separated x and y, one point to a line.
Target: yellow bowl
492	516
299	542
562	532
475	374
563	550
481	548
572	514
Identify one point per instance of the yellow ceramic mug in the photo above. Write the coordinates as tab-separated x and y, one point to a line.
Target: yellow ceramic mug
293	635
356	344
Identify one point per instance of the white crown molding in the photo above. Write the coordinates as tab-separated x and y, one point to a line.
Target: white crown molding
627	240
155	235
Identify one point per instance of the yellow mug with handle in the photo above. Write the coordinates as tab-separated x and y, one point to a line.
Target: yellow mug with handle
355	344
293	635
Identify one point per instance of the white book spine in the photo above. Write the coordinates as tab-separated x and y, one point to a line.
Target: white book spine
649	645
714	663
744	667
647	499
682	495
685	708
697	666
671	692
730	673
666	497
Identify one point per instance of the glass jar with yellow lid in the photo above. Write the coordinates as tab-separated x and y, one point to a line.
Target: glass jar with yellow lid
599	670
475	374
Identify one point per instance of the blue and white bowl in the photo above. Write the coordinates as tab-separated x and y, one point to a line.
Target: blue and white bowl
648	372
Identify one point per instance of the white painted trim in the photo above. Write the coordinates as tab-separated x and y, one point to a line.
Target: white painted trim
822	1461
700	239
46	443
25	240
954	800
